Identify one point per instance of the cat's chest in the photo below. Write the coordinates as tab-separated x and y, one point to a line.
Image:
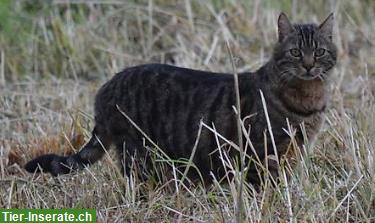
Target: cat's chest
304	96
282	121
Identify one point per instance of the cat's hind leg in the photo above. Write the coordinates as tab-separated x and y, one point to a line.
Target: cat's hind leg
134	159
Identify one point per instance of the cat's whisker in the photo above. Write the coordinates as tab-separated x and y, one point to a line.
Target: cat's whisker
321	77
286	76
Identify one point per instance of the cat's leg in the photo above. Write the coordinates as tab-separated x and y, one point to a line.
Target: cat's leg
92	151
266	167
285	158
133	158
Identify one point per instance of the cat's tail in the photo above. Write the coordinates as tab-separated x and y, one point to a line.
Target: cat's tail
92	151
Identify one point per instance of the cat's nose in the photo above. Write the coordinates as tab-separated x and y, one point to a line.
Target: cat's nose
308	62
308	67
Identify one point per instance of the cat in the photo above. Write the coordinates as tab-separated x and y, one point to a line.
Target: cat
168	103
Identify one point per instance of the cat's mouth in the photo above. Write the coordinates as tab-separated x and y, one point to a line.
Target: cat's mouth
310	75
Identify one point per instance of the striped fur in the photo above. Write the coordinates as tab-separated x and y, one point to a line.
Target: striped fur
168	102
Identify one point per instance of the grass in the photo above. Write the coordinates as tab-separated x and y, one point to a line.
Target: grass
55	55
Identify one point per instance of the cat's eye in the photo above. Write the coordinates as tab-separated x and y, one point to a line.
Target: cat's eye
319	52
295	52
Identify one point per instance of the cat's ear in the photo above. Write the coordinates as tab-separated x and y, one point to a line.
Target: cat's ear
284	26
326	27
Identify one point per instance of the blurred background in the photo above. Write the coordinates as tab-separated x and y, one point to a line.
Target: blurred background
94	39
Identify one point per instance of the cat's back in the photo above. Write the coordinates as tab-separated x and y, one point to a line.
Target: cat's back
165	72
159	79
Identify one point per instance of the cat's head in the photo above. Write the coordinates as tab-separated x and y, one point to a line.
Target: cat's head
304	51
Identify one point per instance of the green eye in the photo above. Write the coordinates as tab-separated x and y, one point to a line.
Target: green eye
319	52
295	52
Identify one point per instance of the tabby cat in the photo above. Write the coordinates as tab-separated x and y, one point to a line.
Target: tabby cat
167	103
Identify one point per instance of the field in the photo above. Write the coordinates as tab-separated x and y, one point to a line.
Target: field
55	54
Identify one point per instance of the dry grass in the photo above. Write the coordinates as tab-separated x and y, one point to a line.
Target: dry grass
64	50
